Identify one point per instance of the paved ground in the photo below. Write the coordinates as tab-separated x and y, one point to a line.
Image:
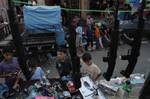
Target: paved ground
141	67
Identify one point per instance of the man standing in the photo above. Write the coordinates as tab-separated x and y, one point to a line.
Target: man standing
90	34
79	34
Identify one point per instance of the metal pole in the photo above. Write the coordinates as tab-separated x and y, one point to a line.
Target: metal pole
74	58
146	89
136	44
17	40
112	53
73	52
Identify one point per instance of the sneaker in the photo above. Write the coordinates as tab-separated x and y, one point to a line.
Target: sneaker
89	49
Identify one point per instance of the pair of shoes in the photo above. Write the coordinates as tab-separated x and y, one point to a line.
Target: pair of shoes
106	76
125	74
89	49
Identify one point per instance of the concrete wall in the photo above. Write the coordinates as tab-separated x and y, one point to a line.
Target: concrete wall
3	3
3	10
84	4
41	2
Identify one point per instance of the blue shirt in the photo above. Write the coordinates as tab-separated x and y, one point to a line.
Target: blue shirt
38	74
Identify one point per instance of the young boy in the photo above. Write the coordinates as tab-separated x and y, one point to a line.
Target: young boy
63	64
89	68
9	69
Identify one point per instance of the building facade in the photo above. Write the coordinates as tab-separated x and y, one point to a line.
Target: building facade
84	4
3	11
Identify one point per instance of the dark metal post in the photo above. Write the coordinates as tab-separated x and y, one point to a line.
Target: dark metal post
73	52
72	47
146	89
17	40
136	44
112	54
74	58
72	39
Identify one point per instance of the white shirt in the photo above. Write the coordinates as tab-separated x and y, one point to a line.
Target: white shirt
79	30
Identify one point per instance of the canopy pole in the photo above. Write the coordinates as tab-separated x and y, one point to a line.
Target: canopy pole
17	40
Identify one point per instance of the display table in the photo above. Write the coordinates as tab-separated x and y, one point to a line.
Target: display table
115	87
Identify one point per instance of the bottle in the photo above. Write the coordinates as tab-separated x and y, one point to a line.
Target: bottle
71	86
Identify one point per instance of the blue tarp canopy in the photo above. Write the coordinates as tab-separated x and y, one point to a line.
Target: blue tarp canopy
44	19
134	1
